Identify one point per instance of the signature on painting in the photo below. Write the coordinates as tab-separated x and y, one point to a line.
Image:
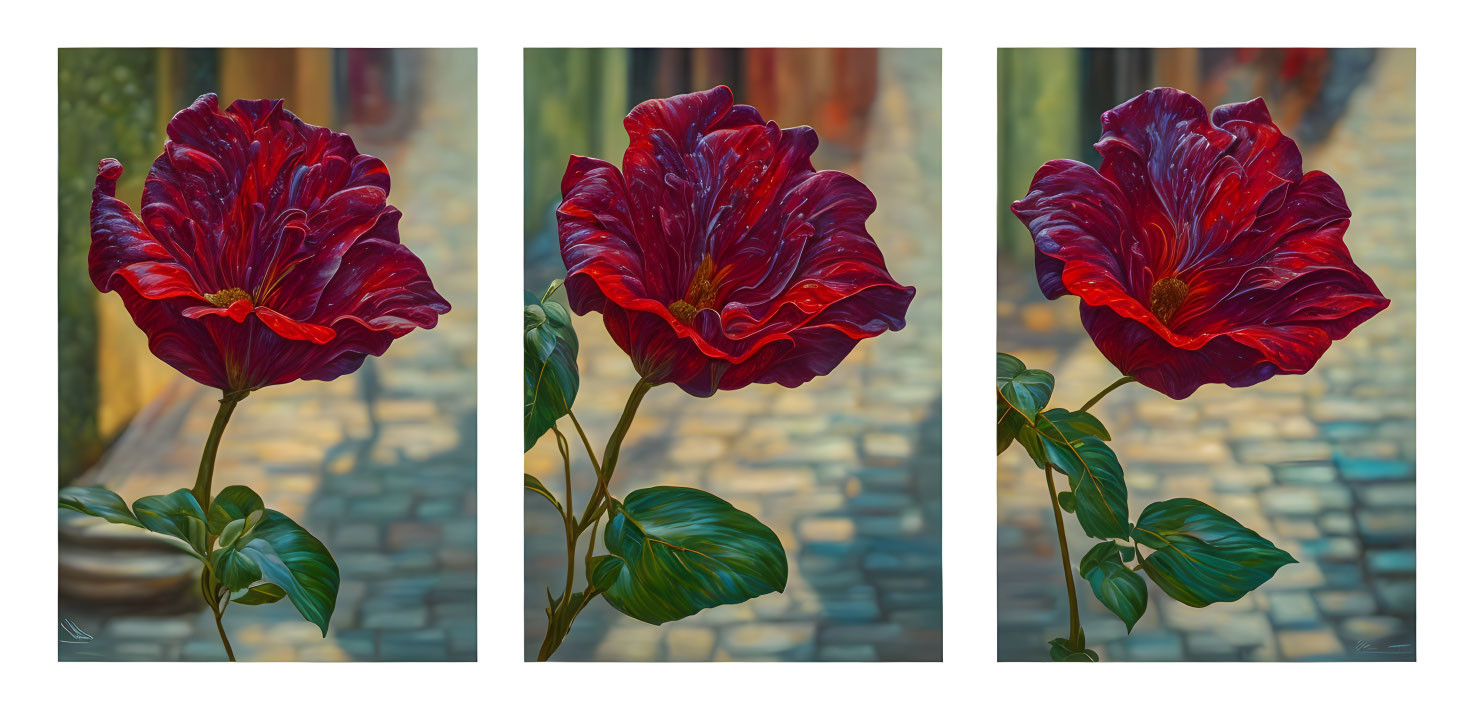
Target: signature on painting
74	634
1364	647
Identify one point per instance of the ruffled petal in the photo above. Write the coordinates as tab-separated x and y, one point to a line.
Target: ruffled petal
122	245
252	201
708	186
597	239
253	198
1225	210
1084	239
382	286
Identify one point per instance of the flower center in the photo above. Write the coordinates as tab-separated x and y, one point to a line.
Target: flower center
227	297
701	292
1166	297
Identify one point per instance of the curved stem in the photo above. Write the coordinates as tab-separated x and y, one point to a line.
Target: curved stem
586	442
203	490
613	452
209	587
569	521
219	622
1073	625
562	614
1106	391
203	486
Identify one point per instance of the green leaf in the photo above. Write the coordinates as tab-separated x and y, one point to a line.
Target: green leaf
1009	423
234	569
1029	440
176	514
261	594
1066	501
1024	390
98	502
675	551
1021	394
1102	552
231	533
551	375
1119	589
532	484
1080	421
1202	556
1060	650
1126	552
235	502
1093	473
292	558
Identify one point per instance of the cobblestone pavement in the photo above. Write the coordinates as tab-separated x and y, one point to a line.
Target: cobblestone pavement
1323	464
380	464
845	469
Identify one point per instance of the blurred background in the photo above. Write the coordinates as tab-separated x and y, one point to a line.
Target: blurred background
1323	464
380	464
845	469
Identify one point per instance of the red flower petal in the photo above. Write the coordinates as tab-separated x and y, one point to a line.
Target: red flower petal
795	280
238	311
383	287
1224	210
253	200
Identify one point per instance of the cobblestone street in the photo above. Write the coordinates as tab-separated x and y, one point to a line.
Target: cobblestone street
845	469
1322	464
380	465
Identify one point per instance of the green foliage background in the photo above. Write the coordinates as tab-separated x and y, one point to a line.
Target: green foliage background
108	104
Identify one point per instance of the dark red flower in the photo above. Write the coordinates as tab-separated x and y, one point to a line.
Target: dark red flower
1200	251
721	258
266	252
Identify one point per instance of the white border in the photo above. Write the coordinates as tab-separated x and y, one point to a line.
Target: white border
969	680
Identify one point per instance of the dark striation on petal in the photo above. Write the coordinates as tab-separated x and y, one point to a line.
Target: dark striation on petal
1199	249
252	202
720	257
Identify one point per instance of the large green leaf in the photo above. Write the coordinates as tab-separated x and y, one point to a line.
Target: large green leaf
1080	421
551	376
1093	473
1202	556
176	514
290	557
1118	588
675	551
235	502
99	502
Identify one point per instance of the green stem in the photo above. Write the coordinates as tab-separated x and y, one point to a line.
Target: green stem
586	442
203	487
210	588
203	490
570	534
219	622
562	616
1104	392
613	452
1073	625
